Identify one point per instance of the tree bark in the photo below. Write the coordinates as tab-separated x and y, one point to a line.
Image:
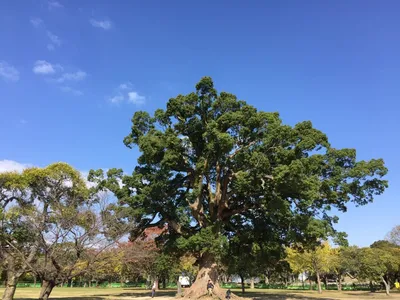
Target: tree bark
46	289
387	286
11	286
310	282
319	283
208	271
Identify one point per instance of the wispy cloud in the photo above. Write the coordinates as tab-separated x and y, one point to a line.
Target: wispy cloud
54	38
54	5
36	22
8	72
125	86
125	92
117	99
104	24
76	76
135	98
68	89
43	67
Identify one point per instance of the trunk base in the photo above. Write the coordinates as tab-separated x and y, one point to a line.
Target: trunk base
11	286
46	289
208	271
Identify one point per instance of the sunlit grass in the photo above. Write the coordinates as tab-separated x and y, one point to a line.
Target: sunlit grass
132	293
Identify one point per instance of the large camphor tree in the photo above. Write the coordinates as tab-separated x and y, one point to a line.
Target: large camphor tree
212	166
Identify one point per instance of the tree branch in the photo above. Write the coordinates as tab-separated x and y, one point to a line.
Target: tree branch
241	148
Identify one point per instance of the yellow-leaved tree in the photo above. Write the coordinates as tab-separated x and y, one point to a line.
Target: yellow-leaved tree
317	261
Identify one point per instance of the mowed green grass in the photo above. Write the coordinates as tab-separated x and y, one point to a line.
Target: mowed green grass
130	293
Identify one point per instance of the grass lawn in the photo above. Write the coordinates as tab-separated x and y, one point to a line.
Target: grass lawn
131	293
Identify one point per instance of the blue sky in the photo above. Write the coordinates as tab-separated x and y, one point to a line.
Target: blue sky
72	73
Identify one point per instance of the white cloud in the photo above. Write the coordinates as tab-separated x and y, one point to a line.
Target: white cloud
105	24
125	92
8	72
77	76
125	86
135	98
117	99
54	4
36	22
12	166
44	67
68	89
54	38
50	47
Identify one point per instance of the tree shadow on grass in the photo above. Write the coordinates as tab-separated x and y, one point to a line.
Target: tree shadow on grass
279	296
67	298
136	294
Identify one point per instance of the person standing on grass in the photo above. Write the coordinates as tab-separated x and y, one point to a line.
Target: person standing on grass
210	287
153	290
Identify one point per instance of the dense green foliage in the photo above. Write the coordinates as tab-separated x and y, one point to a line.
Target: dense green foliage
212	165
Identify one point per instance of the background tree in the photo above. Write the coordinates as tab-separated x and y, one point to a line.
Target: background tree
242	258
394	236
64	222
343	260
211	162
317	261
380	265
53	223
17	243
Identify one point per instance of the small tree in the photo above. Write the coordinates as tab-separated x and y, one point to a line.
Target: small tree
343	260
242	258
17	243
315	261
59	214
379	265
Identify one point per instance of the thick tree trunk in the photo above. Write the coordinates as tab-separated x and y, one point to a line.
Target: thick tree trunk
387	286
11	286
319	284
208	271
252	283
47	288
164	283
